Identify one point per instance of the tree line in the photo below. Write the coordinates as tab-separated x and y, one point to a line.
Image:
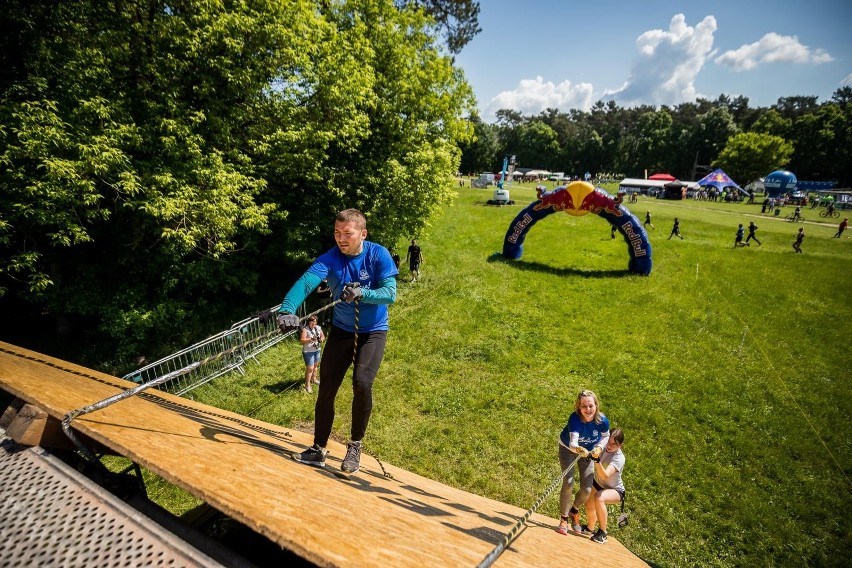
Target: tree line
810	138
164	164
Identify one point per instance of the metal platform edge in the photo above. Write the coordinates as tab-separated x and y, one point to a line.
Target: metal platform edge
53	515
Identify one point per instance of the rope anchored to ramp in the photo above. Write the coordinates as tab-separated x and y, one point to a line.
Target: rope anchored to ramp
90	456
510	537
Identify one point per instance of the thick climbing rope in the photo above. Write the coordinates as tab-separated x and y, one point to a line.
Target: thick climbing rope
510	537
90	456
355	343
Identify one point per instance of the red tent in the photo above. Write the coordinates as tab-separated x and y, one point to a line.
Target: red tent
663	177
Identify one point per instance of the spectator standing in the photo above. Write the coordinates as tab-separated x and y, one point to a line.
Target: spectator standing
362	274
414	256
842	227
311	338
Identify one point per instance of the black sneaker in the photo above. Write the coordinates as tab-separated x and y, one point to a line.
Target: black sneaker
352	461
586	531
599	536
312	456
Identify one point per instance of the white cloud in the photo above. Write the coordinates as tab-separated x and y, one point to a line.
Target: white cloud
847	81
668	62
535	95
772	48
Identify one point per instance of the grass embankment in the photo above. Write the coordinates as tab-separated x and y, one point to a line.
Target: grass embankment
727	368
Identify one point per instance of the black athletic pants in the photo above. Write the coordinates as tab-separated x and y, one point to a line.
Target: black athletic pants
336	359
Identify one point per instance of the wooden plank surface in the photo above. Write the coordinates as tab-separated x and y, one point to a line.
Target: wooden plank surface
242	467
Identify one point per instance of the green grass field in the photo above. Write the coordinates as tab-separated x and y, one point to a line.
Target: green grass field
727	368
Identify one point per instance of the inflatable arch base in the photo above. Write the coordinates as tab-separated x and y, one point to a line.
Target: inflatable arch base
580	198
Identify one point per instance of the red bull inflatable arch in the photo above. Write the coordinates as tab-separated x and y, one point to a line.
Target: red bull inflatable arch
580	198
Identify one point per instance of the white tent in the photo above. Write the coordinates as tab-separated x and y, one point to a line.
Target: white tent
537	173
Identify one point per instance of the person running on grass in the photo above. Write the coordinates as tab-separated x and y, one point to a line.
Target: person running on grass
607	488
738	241
800	236
585	435
362	274
676	229
842	227
751	229
648	220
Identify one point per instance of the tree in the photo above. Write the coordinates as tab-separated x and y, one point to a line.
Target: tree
819	136
648	143
771	122
750	155
480	153
537	145
458	18
161	159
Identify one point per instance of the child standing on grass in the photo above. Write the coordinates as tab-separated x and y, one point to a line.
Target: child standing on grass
607	488
583	438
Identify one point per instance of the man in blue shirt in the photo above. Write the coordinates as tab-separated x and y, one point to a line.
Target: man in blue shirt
361	274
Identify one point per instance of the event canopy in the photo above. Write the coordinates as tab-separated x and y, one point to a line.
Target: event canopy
719	179
664	177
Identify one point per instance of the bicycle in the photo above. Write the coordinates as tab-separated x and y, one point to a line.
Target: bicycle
831	215
792	217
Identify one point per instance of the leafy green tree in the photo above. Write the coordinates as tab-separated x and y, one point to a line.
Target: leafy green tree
648	142
458	18
479	154
820	136
750	155
771	122
161	159
538	146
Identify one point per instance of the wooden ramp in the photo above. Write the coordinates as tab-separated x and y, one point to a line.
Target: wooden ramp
242	467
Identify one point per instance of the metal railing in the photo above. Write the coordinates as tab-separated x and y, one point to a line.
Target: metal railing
220	354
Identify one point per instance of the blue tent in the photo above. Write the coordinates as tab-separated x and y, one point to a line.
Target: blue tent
719	179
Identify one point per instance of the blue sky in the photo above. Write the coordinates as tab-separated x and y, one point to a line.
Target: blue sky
566	54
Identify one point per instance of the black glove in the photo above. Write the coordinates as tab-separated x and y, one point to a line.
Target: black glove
287	322
266	316
351	293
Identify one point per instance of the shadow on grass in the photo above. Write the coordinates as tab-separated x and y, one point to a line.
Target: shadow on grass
539	267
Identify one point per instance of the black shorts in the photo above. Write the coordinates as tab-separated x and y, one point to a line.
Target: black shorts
599	487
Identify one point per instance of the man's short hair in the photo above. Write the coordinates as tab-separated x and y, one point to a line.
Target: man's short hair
352	216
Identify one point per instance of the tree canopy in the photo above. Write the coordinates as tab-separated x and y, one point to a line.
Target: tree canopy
162	159
684	139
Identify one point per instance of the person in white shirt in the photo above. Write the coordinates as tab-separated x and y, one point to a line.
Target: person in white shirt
607	488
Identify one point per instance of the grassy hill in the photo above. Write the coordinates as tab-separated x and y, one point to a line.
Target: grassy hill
727	368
